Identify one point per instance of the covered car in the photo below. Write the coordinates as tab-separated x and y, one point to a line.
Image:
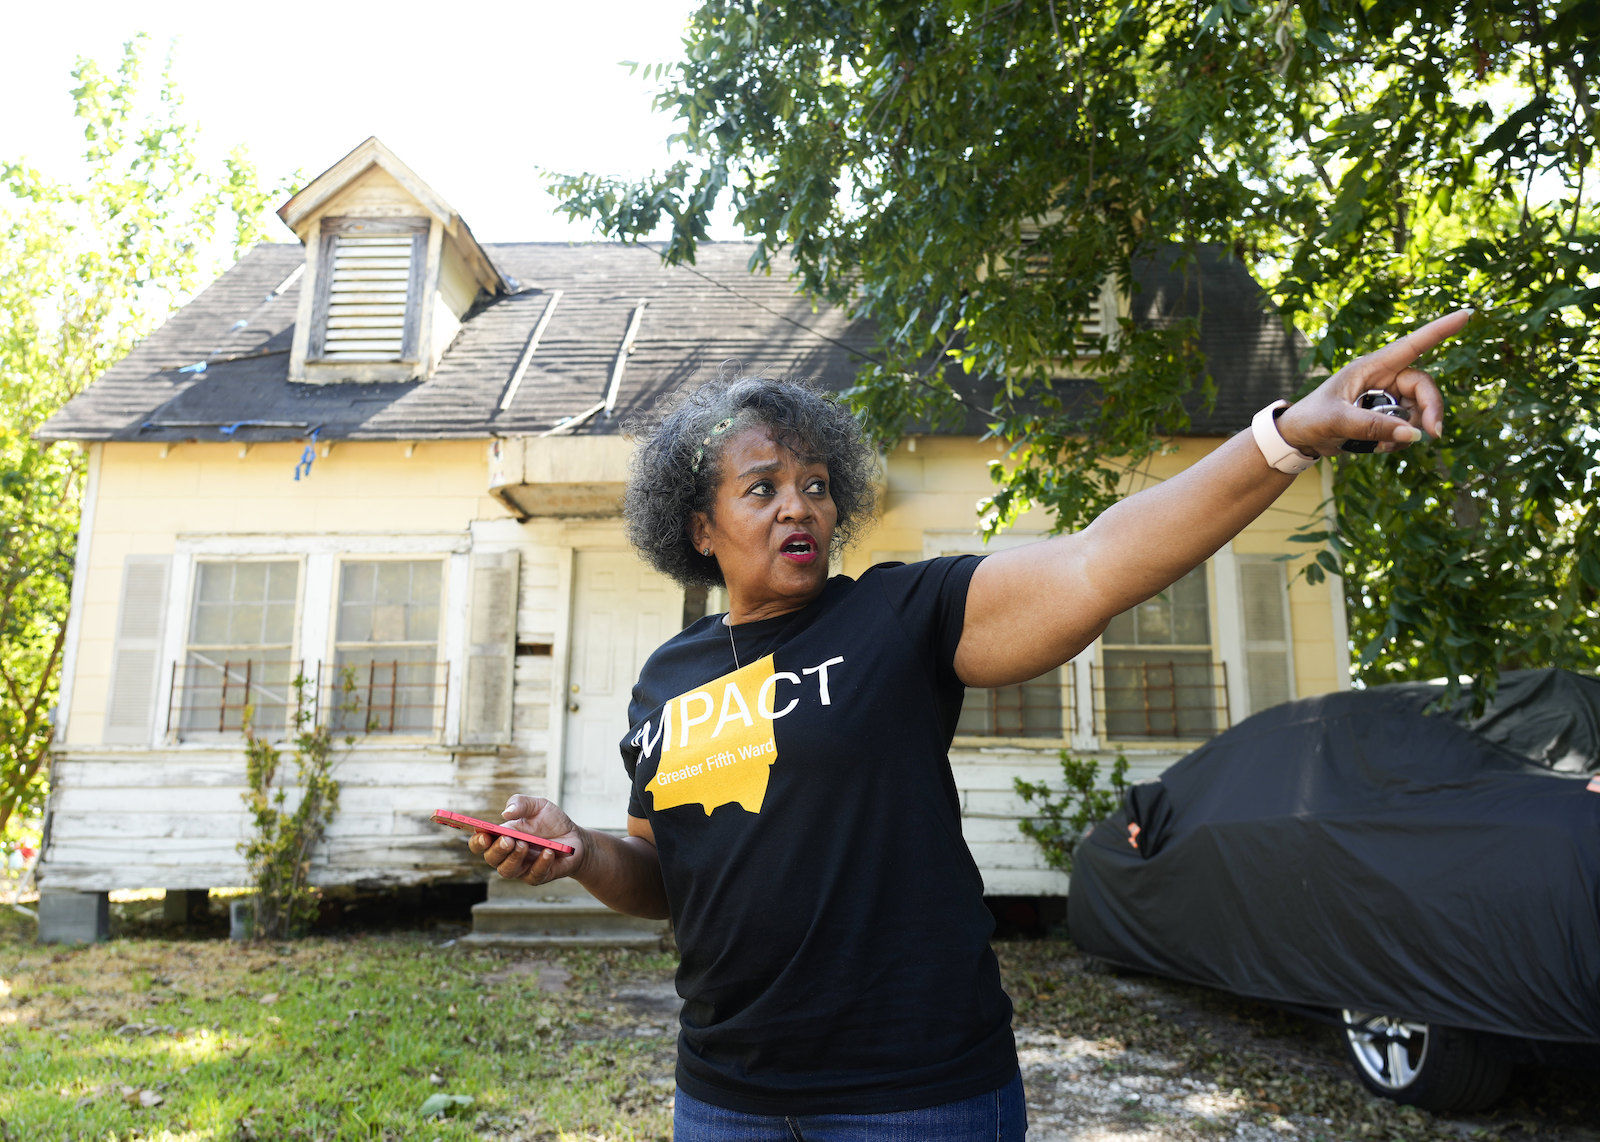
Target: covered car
1430	878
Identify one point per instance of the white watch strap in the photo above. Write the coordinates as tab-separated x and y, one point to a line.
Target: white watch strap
1278	452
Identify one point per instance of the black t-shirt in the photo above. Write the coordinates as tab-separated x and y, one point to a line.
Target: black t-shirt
835	944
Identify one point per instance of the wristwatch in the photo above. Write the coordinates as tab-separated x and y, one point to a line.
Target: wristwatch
1278	452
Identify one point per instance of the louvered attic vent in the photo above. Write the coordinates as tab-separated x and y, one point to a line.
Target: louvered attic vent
1033	264
369	290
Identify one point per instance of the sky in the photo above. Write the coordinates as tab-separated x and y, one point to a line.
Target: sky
474	99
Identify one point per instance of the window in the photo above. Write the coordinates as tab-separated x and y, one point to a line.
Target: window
369	290
1157	677
386	643
1038	708
240	648
1264	608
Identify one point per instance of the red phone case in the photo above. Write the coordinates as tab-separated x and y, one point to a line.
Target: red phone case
473	825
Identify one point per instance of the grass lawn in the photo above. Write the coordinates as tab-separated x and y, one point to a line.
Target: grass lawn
156	1037
327	1038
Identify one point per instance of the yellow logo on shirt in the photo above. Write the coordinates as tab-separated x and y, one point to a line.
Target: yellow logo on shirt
716	742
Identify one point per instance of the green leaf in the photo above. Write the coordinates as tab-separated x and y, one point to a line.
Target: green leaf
1212	17
1369	188
440	1105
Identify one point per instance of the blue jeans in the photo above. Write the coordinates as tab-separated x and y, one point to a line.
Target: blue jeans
999	1116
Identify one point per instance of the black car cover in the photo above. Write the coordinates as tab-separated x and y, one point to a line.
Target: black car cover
1353	851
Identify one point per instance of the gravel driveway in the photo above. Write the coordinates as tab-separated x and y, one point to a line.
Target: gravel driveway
1122	1058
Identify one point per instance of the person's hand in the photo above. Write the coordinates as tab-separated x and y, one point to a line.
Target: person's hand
518	860
1322	421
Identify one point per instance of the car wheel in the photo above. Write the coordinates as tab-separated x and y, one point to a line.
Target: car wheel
1419	1064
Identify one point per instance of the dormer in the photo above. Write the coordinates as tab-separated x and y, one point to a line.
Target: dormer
391	271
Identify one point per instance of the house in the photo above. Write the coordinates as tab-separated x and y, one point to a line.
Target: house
392	452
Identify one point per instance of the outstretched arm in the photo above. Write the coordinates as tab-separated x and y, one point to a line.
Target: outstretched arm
1031	608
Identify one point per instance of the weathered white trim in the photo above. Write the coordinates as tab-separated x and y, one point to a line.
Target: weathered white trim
1227	606
567	424
265	543
317	614
624	351
937	542
458	591
385	744
1341	619
302	209
530	348
560	670
428	351
1083	735
61	717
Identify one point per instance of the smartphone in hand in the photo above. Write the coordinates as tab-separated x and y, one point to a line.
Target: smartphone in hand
473	825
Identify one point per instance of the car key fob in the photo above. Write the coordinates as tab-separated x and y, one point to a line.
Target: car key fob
1378	401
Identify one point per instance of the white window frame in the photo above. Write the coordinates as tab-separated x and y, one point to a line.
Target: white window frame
331	647
1215	621
173	728
319	605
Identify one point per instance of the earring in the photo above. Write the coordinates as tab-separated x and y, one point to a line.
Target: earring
706	552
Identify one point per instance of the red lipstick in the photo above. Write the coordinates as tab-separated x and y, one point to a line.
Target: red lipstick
799	547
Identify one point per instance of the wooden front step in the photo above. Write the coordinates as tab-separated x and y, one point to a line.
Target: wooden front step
561	914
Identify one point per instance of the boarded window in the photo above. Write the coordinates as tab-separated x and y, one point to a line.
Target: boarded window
369	290
240	648
1157	677
386	644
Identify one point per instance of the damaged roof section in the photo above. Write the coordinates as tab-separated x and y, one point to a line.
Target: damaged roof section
625	330
594	334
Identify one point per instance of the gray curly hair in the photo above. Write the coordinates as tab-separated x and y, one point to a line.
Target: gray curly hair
676	467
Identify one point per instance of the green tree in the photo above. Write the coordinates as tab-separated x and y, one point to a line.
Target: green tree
1373	163
87	267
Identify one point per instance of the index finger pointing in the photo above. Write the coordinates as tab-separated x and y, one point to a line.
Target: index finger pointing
1399	354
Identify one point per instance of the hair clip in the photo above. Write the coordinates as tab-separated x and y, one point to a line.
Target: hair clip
717	429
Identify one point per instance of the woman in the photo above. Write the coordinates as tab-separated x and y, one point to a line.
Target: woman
793	806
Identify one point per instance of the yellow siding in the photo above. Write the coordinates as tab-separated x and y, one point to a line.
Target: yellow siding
146	501
935	484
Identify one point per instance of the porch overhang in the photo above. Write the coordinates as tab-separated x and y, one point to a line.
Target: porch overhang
560	477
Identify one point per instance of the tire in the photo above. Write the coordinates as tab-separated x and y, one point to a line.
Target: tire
1419	1064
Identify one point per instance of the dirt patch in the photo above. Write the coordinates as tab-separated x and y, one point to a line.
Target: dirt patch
541	974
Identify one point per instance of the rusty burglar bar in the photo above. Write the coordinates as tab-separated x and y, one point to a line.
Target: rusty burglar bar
397	696
210	697
1043	707
1160	699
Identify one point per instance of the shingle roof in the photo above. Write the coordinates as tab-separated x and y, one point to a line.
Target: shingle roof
699	321
1252	357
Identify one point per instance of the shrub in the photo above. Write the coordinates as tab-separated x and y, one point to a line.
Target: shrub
1063	816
